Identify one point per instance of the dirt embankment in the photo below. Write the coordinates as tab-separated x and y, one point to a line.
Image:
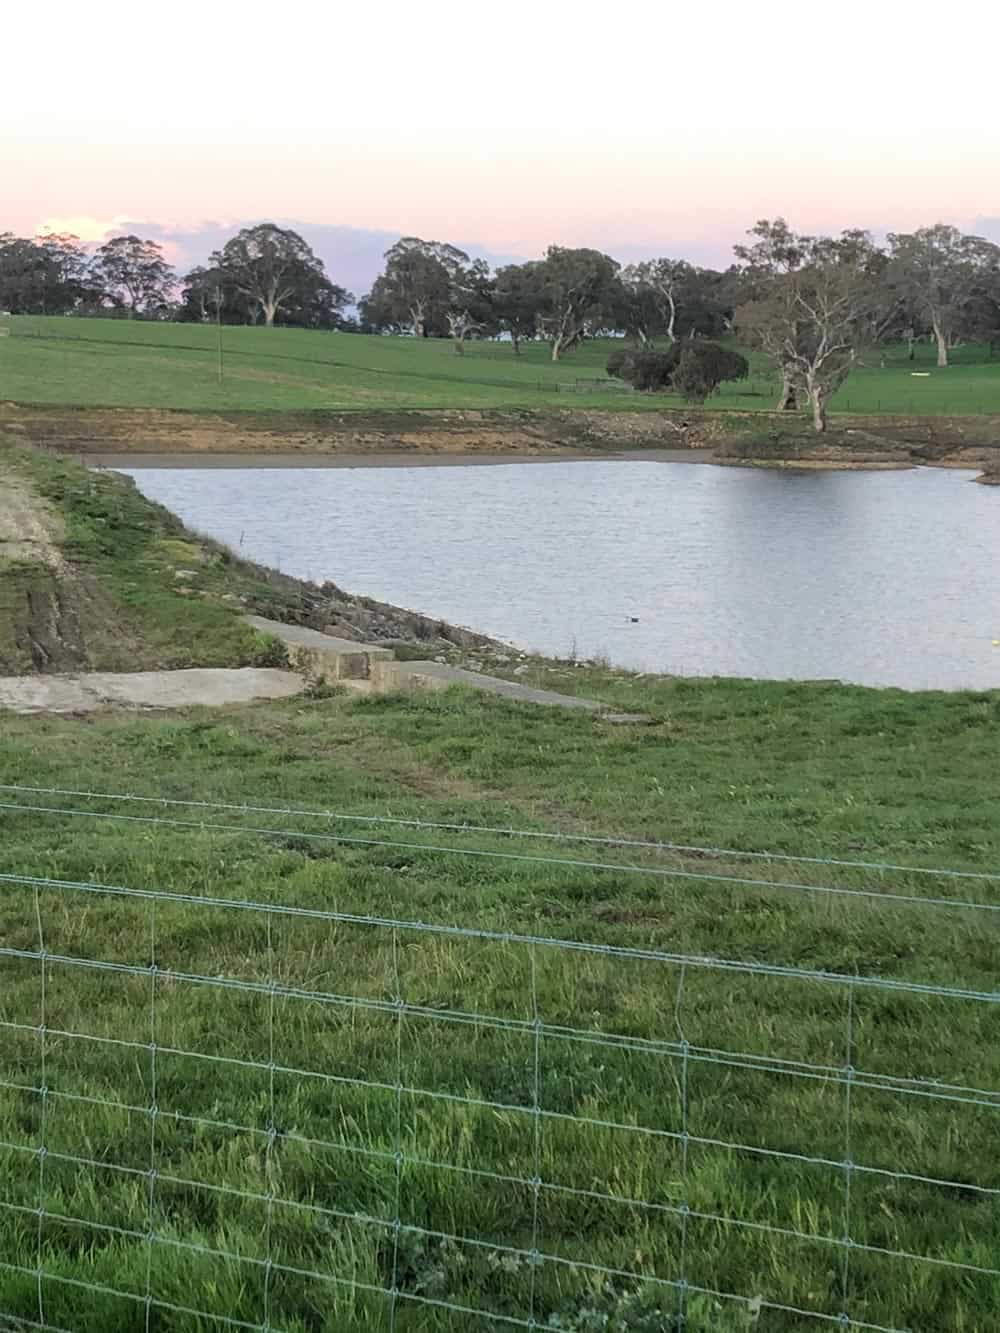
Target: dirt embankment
767	439
30	529
45	606
496	433
870	444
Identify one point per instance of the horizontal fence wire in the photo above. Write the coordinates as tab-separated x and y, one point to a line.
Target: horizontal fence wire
707	962
659	845
528	1256
625	868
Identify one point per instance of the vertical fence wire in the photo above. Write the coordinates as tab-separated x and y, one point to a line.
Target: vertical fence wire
397	1221
685	1206
536	1102
44	1106
272	1126
845	1262
153	1114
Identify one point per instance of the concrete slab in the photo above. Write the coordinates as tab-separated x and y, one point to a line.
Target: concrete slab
438	676
316	654
364	666
88	691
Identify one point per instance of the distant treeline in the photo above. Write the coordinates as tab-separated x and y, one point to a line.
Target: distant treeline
810	303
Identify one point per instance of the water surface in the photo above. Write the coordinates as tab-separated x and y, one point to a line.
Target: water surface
886	578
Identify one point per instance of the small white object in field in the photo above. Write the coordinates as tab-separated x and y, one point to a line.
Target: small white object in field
920	374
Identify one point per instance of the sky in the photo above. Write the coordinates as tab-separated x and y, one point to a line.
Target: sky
668	132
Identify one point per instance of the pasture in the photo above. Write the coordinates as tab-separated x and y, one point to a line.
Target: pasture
294	1127
120	363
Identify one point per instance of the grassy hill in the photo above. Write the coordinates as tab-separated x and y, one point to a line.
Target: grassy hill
118	363
93	576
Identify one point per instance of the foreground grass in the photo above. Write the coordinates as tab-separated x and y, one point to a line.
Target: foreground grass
94	362
796	768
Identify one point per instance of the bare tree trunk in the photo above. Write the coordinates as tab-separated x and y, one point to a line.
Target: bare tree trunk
673	316
817	398
270	309
788	402
565	340
942	345
516	340
459	341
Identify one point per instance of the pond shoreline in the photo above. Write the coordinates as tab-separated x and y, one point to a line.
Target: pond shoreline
178	460
181	460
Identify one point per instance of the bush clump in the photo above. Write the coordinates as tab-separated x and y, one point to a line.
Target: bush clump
694	369
617	362
703	366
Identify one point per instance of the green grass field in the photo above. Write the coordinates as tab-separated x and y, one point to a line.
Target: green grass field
807	769
117	363
798	768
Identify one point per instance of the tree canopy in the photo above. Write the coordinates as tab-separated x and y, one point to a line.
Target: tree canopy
516	301
573	288
811	318
942	273
43	276
276	271
133	274
415	291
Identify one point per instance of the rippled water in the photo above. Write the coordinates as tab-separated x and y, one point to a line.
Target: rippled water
879	578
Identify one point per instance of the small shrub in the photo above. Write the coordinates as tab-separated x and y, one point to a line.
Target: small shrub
410	652
618	361
268	651
321	688
702	367
649	370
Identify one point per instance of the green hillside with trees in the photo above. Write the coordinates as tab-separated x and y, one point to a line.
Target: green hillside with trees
826	323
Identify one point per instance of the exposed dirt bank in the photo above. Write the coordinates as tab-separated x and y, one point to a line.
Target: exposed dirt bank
30	530
499	434
353	438
882	446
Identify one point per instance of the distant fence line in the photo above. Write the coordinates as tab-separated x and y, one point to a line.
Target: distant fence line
529	1060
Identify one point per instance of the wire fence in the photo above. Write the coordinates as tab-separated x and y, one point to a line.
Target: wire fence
269	1113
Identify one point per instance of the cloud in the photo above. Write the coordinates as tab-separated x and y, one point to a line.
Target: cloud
90	230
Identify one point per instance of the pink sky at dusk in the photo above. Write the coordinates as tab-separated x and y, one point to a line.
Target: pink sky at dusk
249	115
